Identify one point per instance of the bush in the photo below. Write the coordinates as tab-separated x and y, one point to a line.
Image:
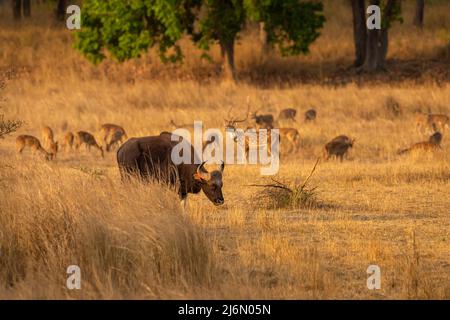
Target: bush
295	195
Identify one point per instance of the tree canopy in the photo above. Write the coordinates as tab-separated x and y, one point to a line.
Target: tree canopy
126	29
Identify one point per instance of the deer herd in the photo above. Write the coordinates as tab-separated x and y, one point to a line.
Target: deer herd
150	157
111	135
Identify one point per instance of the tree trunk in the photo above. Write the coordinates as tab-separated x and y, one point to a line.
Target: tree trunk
16	8
371	55
359	31
378	41
222	53
228	64
26	8
263	39
418	16
383	43
61	6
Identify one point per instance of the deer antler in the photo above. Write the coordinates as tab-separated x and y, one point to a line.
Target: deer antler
235	120
246	116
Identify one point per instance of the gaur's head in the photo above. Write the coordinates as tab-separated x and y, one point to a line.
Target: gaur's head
352	142
211	183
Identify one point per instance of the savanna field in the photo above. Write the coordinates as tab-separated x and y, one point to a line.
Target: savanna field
133	240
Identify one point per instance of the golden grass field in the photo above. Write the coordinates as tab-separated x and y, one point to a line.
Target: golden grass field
135	241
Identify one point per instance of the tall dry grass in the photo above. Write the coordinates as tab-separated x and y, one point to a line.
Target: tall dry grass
130	240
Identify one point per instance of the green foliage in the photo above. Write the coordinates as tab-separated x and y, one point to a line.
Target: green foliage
126	28
222	22
396	14
290	25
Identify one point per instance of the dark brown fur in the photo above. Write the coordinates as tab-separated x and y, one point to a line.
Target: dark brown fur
150	157
338	147
263	121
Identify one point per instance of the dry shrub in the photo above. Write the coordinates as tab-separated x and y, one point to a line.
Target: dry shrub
8	126
294	195
130	240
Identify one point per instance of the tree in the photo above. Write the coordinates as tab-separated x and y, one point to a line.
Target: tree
18	5
359	31
291	25
376	40
288	25
127	28
26	8
263	38
221	23
16	8
418	15
60	11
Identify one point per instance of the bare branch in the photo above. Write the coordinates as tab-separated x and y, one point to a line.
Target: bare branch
311	173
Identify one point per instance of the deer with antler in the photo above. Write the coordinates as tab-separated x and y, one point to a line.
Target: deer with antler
231	125
286	134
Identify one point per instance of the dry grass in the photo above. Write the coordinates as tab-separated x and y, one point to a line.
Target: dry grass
127	242
133	241
292	195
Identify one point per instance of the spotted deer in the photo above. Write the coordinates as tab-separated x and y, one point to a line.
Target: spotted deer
286	134
310	115
48	140
47	135
68	140
263	121
287	114
426	122
83	137
112	134
433	144
32	142
231	127
292	136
